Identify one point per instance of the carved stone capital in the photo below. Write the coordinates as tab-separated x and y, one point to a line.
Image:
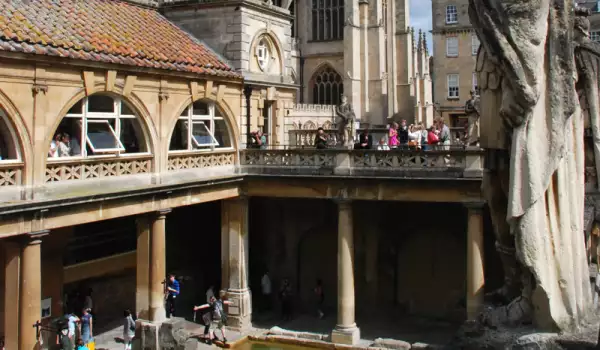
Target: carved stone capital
37	88
34	238
162	213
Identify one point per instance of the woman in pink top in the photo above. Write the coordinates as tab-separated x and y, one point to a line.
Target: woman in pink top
393	136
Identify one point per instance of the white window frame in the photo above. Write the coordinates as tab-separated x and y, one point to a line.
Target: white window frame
449	47
595	35
89	142
451	14
457	86
262	54
475	86
190	118
474	44
212	136
86	116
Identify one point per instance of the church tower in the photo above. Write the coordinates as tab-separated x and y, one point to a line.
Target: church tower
404	66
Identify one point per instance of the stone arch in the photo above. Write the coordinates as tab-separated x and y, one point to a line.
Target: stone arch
19	134
142	113
326	84
276	47
309	125
225	109
327	125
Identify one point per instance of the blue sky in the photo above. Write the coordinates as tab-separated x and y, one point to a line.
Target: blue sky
420	18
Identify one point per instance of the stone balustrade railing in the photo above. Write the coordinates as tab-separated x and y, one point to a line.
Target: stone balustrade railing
94	168
200	160
451	163
10	173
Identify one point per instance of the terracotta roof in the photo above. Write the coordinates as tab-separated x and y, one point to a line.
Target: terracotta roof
108	31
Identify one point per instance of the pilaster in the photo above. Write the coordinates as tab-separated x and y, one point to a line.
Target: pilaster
157	265
142	291
352	57
235	238
12	271
475	276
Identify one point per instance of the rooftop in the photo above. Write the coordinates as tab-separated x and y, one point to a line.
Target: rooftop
109	31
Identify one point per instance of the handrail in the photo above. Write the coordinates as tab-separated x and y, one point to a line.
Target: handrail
101	167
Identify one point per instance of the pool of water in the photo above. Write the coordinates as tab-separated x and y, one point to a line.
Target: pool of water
257	345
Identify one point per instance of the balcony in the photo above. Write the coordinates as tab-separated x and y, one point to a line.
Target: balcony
458	163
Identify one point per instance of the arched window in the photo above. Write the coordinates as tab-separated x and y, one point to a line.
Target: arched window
327	20
262	54
98	125
327	86
8	147
200	126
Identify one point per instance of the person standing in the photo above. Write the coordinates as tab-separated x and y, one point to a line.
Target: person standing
218	315
265	284
172	294
365	140
64	341
72	322
321	139
86	326
128	329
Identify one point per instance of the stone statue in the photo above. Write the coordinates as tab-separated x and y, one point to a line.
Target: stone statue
345	122
473	111
531	128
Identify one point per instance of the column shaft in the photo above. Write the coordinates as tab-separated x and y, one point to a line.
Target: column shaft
30	301
346	331
235	237
142	291
475	276
157	268
12	268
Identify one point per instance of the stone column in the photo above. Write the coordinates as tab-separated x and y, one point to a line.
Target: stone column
53	269
345	331
142	291
157	266
30	296
12	266
235	236
475	276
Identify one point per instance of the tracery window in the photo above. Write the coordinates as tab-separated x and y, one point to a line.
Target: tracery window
327	86
327	20
98	125
200	126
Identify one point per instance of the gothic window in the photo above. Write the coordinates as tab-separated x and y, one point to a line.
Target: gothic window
451	14
452	86
327	20
200	127
327	86
98	125
262	54
474	44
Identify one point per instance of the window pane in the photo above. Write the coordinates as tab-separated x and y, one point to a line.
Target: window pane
202	135
77	108
101	137
185	112
132	136
125	110
200	108
179	139
101	104
222	133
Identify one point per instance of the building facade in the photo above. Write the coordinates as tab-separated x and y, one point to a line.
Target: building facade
455	46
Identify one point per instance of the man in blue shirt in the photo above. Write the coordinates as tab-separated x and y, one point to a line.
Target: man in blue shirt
172	293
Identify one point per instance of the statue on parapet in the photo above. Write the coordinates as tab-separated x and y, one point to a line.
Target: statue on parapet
532	133
345	122
473	111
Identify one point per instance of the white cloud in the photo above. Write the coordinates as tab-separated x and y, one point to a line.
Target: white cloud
420	18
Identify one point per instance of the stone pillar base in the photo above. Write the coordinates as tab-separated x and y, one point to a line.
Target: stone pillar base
239	313
156	335
345	335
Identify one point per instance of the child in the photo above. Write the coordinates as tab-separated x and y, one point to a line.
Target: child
218	315
80	345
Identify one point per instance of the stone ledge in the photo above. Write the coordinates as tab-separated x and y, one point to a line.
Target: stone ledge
391	344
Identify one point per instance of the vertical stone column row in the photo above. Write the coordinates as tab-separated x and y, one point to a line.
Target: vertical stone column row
235	244
475	275
346	331
12	269
30	290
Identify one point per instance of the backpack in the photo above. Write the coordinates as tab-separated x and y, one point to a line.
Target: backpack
218	314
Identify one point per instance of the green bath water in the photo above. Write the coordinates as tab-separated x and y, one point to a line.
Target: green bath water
256	345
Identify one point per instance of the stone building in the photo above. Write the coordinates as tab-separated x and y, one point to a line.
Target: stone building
594	6
150	175
455	48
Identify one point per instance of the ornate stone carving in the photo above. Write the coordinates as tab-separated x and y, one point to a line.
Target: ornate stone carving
345	122
163	96
37	88
542	212
197	161
93	169
473	111
10	175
